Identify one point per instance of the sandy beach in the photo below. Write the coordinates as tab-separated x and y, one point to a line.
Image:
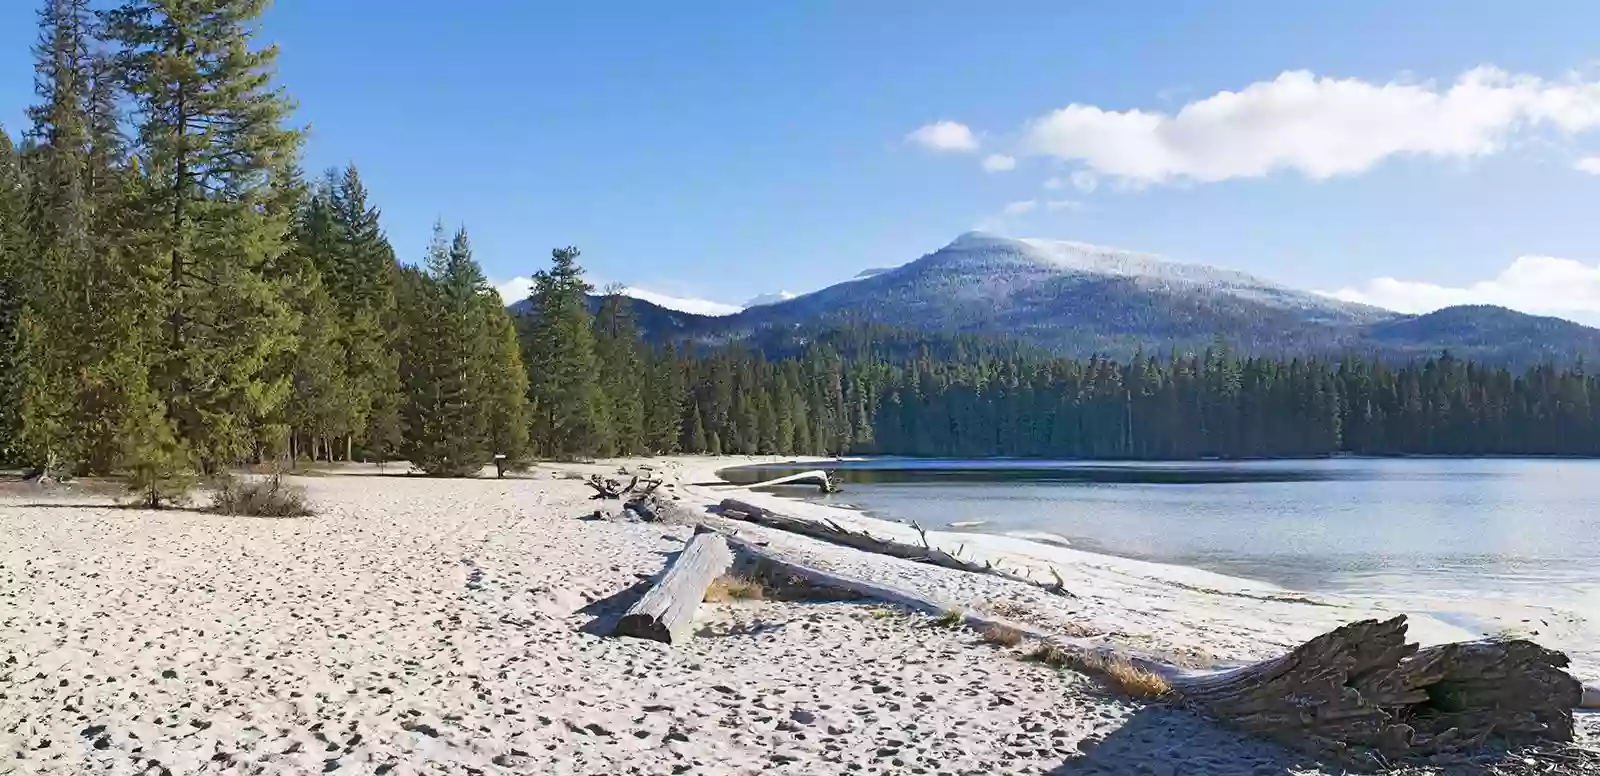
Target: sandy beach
450	626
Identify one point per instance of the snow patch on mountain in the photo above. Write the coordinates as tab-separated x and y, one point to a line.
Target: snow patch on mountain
766	299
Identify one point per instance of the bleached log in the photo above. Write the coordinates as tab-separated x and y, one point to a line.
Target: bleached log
1359	694
816	477
666	611
861	540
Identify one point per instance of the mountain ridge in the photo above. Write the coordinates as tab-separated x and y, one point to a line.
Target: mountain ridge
1078	299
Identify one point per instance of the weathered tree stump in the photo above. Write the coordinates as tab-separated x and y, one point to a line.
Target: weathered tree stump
666	612
1363	695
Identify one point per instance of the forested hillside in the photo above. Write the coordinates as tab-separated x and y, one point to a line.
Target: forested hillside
1082	300
176	296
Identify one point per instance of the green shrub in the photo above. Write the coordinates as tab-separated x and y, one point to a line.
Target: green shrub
264	497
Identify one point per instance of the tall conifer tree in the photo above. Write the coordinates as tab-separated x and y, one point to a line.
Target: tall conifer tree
212	140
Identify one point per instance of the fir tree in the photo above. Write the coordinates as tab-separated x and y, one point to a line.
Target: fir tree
569	416
58	222
449	354
619	363
212	142
507	388
12	202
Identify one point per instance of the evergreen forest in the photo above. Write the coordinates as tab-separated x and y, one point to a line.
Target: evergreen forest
178	295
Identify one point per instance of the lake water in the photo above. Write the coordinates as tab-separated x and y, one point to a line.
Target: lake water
1519	531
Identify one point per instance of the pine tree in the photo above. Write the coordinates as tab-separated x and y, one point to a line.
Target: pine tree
619	363
213	146
360	273
569	416
450	355
12	205
58	223
507	388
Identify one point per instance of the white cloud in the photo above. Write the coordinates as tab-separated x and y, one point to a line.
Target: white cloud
944	136
517	288
999	163
1053	183
1588	164
1542	285
1019	208
1315	125
1063	204
1085	181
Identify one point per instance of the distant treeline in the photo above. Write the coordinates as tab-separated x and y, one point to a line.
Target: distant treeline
175	296
873	397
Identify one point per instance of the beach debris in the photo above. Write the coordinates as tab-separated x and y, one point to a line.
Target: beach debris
1359	695
832	532
666	611
1363	695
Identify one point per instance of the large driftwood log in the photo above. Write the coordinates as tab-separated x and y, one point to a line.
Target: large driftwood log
861	540
666	612
816	477
1359	694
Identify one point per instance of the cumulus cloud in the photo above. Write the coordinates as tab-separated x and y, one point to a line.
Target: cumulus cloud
1019	208
1085	181
1588	164
1543	285
1317	126
517	289
999	163
1063	204
944	135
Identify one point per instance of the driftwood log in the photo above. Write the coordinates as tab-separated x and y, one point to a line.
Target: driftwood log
1359	694
816	477
666	611
861	540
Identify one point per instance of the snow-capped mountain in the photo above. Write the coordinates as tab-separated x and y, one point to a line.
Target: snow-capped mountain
1079	300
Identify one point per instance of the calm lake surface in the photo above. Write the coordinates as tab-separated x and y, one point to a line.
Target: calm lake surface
1523	531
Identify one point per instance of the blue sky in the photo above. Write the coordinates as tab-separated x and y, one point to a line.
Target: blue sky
721	150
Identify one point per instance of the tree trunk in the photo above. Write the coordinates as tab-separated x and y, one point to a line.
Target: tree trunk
666	612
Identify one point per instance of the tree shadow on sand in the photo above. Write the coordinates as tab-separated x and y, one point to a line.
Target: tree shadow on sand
1164	740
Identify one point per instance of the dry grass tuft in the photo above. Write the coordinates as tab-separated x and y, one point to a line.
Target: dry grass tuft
1114	671
732	587
1001	635
266	497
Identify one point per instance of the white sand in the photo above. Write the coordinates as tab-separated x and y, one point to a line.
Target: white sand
439	626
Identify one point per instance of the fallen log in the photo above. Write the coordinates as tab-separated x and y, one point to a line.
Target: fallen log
1360	694
666	611
861	540
816	477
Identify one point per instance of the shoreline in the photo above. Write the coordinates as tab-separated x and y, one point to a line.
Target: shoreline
1433	619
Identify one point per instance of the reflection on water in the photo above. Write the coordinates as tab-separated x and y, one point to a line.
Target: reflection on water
1490	528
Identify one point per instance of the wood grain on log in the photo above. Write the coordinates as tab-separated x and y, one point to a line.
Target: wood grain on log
666	611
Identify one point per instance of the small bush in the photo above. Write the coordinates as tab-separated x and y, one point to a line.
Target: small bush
266	497
950	619
730	587
1002	635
